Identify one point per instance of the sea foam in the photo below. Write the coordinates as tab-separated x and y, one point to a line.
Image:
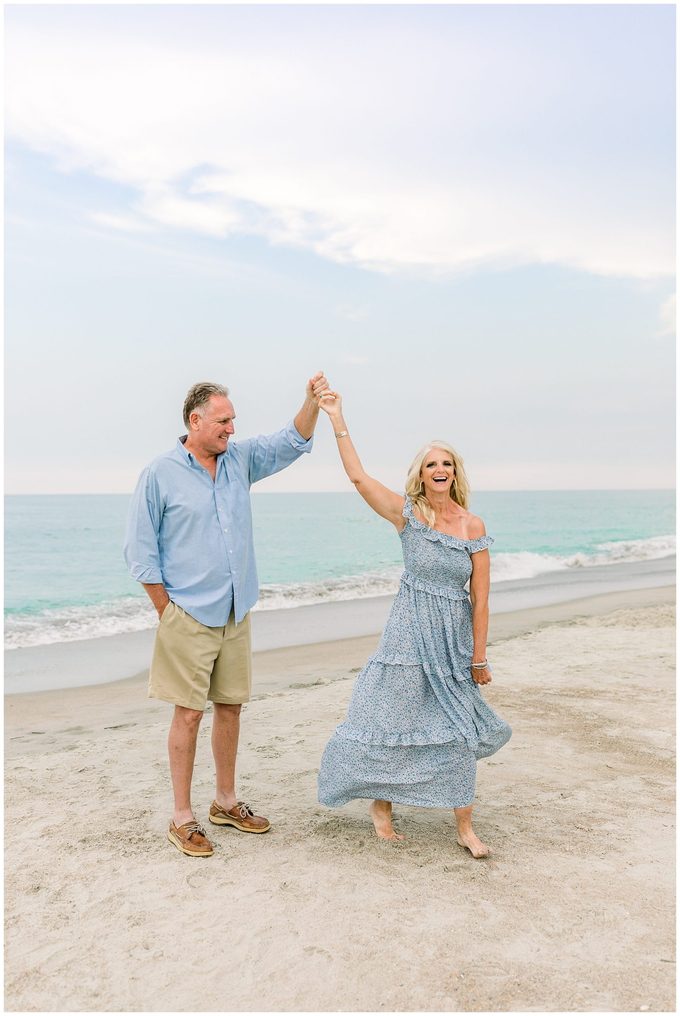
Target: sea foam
135	613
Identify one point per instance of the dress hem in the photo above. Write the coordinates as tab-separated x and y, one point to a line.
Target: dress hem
340	803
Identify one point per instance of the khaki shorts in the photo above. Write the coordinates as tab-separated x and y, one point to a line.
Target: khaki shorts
192	663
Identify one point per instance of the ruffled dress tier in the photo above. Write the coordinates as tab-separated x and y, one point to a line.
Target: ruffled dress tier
417	722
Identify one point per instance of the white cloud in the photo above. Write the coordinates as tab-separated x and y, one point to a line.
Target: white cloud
122	223
403	154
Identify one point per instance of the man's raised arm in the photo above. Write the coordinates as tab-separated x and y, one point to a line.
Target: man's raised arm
305	421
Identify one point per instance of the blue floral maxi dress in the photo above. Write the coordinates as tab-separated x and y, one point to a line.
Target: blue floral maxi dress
417	722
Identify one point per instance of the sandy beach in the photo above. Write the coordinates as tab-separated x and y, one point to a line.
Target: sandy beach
573	912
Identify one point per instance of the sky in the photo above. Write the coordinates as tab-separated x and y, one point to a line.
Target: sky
463	214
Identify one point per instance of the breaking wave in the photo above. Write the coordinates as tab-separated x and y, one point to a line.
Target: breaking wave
134	613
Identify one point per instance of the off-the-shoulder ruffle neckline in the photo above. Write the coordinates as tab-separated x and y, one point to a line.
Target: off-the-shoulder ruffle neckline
433	534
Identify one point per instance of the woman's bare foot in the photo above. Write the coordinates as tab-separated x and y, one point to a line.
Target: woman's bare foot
472	842
381	813
466	835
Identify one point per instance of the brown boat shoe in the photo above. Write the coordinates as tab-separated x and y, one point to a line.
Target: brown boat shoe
190	838
240	817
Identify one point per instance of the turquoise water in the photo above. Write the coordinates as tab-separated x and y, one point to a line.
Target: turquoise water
65	577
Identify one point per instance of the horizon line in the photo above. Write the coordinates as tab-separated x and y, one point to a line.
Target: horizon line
279	493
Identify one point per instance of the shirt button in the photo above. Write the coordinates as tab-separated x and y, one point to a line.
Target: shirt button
225	530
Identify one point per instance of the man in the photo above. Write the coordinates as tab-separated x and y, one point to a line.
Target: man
190	543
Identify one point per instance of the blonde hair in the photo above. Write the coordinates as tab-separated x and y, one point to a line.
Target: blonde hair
460	488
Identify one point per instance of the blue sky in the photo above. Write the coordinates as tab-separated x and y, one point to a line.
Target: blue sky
463	214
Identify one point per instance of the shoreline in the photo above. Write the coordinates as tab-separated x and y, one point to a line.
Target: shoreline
276	671
110	658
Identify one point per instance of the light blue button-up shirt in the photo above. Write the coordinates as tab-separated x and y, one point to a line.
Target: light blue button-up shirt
195	535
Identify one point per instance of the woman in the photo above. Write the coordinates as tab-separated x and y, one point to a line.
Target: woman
417	722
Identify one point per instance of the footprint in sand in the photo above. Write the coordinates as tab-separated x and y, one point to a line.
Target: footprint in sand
292	889
197	878
313	950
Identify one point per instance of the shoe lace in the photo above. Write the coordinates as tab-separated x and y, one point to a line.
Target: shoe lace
244	810
195	827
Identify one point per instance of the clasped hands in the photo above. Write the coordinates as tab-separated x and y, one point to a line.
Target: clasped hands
316	386
320	392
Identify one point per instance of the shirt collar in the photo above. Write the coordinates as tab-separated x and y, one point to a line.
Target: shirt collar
191	459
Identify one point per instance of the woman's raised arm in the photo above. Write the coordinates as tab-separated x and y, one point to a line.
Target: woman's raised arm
382	500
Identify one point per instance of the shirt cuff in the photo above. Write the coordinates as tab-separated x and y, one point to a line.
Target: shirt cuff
296	439
146	575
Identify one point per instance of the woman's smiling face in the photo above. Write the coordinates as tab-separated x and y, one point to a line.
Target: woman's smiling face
437	471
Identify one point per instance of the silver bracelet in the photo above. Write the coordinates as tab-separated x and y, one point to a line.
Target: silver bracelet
343	433
480	666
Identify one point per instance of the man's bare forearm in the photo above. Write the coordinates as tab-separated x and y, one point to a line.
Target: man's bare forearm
305	421
158	595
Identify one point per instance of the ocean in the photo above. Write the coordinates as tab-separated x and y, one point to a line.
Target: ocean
65	578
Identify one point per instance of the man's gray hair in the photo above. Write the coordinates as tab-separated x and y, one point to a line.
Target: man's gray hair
198	397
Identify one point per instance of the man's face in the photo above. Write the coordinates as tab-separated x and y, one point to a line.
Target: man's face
211	432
